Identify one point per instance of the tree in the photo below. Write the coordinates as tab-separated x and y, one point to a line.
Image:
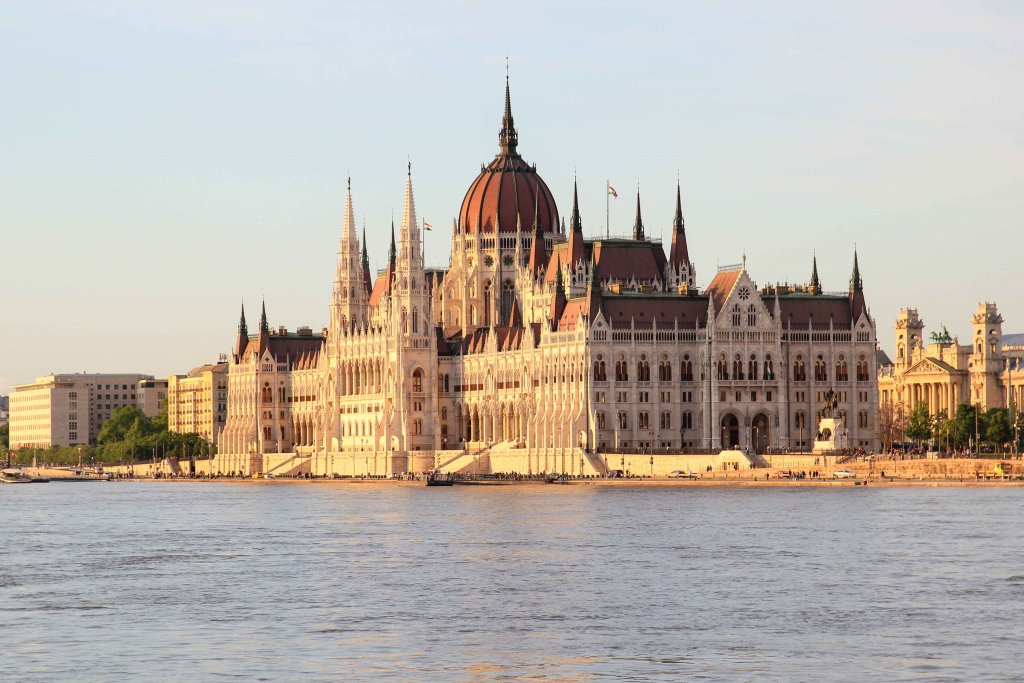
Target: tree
919	424
5	435
120	421
963	425
998	430
892	418
941	426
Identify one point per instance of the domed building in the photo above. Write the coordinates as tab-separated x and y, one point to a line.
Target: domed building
538	350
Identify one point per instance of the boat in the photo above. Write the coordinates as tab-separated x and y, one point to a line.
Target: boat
438	479
79	475
13	475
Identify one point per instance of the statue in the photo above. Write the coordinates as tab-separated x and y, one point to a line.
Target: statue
942	337
830	403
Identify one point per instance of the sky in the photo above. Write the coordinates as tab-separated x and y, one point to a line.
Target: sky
161	163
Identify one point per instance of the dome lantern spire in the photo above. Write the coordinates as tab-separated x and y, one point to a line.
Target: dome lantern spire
508	137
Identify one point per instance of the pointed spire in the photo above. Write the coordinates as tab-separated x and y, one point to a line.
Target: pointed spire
856	284
391	250
243	334
558	301
680	255
409	221
593	290
638	224
243	329
264	327
537	250
815	285
349	231
367	281
576	251
508	137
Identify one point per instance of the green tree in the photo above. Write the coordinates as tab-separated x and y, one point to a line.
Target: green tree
941	427
962	427
998	430
122	420
5	435
919	425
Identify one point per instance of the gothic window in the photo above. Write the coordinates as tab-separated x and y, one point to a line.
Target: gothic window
644	421
623	421
417	427
415	321
266	394
862	370
599	374
666	420
842	372
417	380
444	413
600	420
446	385
752	367
736	315
405	321
799	371
686	369
723	367
820	370
621	370
508	297
687	422
737	367
769	371
665	371
487	303
899	351
751	315
472	315
643	371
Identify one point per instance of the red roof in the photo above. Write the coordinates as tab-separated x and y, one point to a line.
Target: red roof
505	192
721	285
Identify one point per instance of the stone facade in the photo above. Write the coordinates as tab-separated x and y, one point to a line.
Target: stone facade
197	403
69	409
987	372
539	347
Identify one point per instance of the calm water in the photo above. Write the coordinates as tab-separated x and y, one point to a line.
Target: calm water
185	582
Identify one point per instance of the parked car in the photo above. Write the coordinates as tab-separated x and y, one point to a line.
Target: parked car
843	474
679	474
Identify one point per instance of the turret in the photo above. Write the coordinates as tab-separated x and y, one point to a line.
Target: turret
538	254
814	287
243	336
576	250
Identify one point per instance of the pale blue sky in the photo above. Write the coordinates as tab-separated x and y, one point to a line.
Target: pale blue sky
161	162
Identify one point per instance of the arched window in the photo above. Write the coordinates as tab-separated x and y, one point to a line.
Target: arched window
621	370
415	321
862	370
820	370
686	369
599	375
487	303
736	315
405	321
799	370
737	367
643	371
723	367
842	372
769	371
417	380
472	315
447	387
508	297
267	394
752	367
751	315
623	422
665	371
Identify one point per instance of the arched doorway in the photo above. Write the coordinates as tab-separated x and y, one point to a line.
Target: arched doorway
759	433
730	432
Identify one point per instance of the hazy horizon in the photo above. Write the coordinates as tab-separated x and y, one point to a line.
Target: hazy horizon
163	163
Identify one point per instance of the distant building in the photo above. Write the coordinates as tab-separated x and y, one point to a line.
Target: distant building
987	372
68	409
197	403
4	408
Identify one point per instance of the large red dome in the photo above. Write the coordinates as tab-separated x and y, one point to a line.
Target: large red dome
508	191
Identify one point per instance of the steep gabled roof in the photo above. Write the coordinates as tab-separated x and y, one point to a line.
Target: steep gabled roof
722	285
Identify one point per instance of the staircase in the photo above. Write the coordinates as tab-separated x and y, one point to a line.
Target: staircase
597	462
462	461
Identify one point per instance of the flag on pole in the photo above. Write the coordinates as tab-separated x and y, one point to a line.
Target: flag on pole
426	225
612	192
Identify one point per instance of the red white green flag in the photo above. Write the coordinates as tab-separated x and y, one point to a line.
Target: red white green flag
427	226
612	192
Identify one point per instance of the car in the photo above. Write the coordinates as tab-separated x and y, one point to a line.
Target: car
270	475
843	474
679	474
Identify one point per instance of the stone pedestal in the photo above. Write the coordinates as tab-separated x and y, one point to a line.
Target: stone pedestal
832	435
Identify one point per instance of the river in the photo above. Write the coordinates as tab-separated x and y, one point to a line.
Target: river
178	581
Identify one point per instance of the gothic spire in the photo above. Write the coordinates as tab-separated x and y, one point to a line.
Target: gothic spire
508	137
537	250
815	286
576	251
391	250
243	329
856	284
680	252
264	327
638	224
349	231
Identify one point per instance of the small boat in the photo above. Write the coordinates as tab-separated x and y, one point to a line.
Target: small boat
14	475
438	479
80	475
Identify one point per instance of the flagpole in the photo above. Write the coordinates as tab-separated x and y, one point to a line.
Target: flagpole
607	210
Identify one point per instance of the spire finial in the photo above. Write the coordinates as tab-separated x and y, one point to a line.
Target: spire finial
638	224
264	327
856	284
815	285
508	137
242	327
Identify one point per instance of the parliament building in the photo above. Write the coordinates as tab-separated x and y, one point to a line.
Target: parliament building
539	349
